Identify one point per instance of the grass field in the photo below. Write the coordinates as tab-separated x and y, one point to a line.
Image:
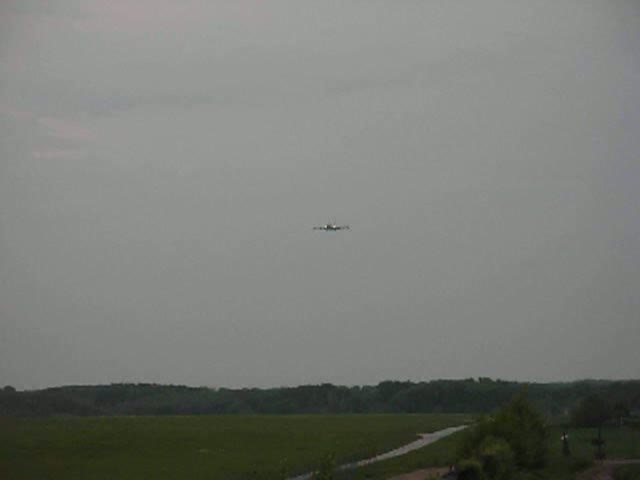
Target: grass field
620	443
198	447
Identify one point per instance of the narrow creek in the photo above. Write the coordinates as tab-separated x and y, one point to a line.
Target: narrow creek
424	440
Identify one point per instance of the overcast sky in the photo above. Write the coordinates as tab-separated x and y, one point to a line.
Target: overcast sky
162	164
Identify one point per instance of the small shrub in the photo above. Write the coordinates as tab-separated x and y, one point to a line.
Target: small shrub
470	469
497	459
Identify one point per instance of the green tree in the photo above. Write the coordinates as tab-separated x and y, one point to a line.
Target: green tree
515	437
524	430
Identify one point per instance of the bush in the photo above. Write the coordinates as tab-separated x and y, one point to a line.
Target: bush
470	469
472	437
497	459
514	438
524	430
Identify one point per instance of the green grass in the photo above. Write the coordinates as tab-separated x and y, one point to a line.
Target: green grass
620	442
198	447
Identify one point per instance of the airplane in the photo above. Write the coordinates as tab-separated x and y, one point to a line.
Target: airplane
331	227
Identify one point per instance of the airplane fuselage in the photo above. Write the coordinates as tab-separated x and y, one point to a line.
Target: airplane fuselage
330	227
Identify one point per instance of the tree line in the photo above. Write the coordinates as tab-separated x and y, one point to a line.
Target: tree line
555	400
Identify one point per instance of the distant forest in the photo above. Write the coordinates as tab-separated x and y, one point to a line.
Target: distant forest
437	396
